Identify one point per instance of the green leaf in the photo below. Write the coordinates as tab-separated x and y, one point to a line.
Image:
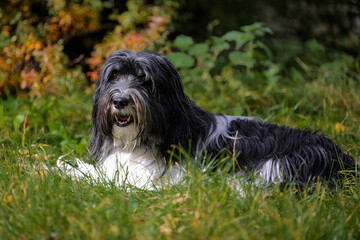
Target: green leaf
17	121
273	70
16	18
199	50
81	147
183	42
219	44
57	129
181	60
267	51
238	37
256	29
241	58
208	61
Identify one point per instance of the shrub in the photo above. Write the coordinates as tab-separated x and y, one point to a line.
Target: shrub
142	27
31	43
222	65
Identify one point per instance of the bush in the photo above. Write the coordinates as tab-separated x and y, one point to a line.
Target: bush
31	44
141	27
225	64
33	34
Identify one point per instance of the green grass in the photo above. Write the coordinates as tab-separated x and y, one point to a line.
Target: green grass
39	205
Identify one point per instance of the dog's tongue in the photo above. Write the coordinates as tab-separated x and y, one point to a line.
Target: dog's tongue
123	118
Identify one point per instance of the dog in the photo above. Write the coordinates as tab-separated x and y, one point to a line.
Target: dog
141	119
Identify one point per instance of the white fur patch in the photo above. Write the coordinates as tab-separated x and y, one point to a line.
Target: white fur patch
221	129
270	172
125	137
138	168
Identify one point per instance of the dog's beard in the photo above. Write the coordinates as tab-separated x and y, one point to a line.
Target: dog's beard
125	128
127	124
125	138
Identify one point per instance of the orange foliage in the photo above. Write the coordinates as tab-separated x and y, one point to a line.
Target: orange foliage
32	57
70	20
155	31
31	46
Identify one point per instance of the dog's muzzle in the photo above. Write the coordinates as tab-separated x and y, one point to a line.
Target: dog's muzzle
120	102
121	118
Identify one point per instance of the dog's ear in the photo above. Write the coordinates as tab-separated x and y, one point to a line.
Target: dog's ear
96	139
161	70
168	105
166	82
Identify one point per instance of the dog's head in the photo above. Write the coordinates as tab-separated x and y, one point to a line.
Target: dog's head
138	97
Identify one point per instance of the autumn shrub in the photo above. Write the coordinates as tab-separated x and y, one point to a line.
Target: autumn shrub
141	27
31	43
33	34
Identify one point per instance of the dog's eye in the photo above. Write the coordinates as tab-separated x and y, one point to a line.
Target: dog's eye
141	78
114	76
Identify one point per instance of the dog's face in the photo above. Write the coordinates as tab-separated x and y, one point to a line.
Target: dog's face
137	96
122	101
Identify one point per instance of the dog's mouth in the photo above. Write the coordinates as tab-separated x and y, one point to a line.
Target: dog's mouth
123	120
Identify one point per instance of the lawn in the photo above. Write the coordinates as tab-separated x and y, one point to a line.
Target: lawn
305	73
35	204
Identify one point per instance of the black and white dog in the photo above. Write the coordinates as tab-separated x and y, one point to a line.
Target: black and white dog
141	114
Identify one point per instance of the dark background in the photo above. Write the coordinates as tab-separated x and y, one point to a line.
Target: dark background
334	23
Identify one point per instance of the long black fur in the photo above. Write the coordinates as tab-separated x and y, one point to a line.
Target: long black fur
167	117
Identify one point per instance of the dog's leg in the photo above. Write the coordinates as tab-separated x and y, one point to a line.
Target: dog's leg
82	170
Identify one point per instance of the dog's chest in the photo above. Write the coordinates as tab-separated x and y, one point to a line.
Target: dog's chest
136	167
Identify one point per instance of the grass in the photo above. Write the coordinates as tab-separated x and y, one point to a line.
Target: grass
42	205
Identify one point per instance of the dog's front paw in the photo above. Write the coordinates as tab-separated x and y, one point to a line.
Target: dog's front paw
73	170
63	167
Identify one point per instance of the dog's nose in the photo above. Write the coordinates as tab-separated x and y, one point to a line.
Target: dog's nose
120	102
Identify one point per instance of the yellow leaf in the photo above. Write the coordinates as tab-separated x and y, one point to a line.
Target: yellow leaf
8	199
6	30
4	64
38	45
165	229
339	127
114	229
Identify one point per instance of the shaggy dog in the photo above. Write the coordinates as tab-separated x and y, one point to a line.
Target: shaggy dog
141	116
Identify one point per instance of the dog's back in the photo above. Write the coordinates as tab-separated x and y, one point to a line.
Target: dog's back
283	154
